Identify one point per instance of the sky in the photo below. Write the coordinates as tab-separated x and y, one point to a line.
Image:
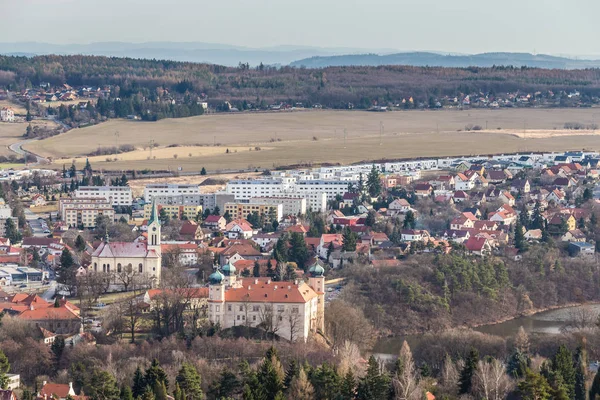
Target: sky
561	27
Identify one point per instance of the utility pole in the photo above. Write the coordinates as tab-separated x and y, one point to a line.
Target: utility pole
345	135
151	147
380	131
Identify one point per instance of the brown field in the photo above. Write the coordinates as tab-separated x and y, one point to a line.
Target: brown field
318	136
13	132
55	104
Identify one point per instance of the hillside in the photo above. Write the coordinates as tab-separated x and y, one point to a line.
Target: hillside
422	59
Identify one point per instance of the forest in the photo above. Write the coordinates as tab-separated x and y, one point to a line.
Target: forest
334	87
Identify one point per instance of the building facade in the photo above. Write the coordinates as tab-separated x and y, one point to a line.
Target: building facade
290	205
135	261
84	211
7	114
169	189
242	210
115	195
291	310
175	211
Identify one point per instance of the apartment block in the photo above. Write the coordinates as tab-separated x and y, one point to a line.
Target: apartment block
177	211
169	189
242	210
115	195
84	211
291	205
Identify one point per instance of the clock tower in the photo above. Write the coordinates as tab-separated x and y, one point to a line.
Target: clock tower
154	229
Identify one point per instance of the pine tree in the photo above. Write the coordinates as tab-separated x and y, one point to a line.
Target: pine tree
349	240
126	393
269	377
139	383
11	232
410	221
57	348
177	393
189	381
348	388
562	363
373	182
80	244
226	386
155	376
4	368
291	372
534	387
581	364
466	375
103	386
520	242
203	171
298	251
374	385
256	269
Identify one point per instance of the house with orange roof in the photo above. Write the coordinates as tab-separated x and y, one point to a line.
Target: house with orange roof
335	238
239	250
192	298
292	310
239	229
60	318
58	391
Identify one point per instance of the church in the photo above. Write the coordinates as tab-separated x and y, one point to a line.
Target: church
140	259
292	310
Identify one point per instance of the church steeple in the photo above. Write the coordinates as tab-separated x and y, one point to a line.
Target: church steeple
154	228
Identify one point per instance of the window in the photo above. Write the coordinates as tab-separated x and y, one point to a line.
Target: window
295	310
254	318
238	318
255	308
280	308
228	307
218	308
280	318
119	268
95	267
107	267
103	267
140	268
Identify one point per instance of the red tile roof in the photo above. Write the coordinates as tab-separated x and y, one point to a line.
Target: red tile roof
267	291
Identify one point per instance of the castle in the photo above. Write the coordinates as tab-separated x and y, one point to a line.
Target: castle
291	310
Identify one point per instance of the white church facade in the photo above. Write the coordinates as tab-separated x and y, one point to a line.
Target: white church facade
142	260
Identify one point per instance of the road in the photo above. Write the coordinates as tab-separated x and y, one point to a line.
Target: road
36	224
18	148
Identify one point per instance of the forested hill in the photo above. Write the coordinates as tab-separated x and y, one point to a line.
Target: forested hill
333	87
422	59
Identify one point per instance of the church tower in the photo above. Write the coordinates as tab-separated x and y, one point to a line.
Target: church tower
154	229
316	280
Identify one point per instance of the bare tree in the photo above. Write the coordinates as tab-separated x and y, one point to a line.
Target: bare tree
406	383
522	341
491	381
581	319
269	320
449	375
344	322
127	276
294	321
350	358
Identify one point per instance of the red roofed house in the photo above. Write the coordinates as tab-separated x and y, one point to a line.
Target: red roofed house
423	189
239	250
187	253
58	391
478	246
191	231
194	298
239	229
63	319
291	310
326	239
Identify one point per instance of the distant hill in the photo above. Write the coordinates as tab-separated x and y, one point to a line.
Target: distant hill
211	53
421	59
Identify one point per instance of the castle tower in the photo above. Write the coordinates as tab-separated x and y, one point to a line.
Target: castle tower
229	271
316	280
216	298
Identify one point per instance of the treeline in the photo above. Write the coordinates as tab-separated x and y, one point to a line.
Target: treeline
439	292
333	87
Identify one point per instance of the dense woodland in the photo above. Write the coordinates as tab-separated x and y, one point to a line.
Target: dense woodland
333	87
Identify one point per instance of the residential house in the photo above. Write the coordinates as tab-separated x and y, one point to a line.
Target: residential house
573	236
413	235
581	249
38	200
444	182
533	235
239	250
463	182
326	239
58	391
557	196
460	196
239	229
478	246
216	222
423	189
520	186
195	298
7	114
190	230
463	221
399	206
506	197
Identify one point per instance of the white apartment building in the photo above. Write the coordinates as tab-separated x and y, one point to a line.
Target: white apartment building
115	195
169	189
5	210
290	205
7	115
208	201
84	211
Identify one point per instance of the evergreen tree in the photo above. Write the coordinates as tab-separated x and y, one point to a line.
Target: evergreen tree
466	375
80	244
256	270
348	388
103	386
298	251
139	383
4	368
517	364
178	393
410	221
155	376
562	363
330	249
534	387
160	390
373	182
270	377
281	250
349	240
190	382
559	389
11	232
203	171
291	372
126	393
374	385
57	348
581	364
537	220
326	382
226	386
520	242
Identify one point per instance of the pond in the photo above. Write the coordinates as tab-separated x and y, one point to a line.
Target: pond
546	322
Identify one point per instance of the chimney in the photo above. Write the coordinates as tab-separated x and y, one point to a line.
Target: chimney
44	383
256	281
275	287
289	288
249	287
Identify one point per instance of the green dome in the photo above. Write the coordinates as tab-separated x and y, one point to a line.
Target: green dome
316	271
228	269
216	278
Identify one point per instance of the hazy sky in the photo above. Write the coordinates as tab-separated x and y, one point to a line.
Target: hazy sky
469	26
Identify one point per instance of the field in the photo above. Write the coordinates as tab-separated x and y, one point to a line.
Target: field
318	136
13	132
18	109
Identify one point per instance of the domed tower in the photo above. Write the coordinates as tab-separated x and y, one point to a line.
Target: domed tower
316	280
216	297
229	271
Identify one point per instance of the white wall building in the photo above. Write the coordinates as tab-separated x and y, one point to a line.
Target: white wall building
7	114
290	205
116	195
169	189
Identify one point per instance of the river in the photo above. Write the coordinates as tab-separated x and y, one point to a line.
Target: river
545	322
